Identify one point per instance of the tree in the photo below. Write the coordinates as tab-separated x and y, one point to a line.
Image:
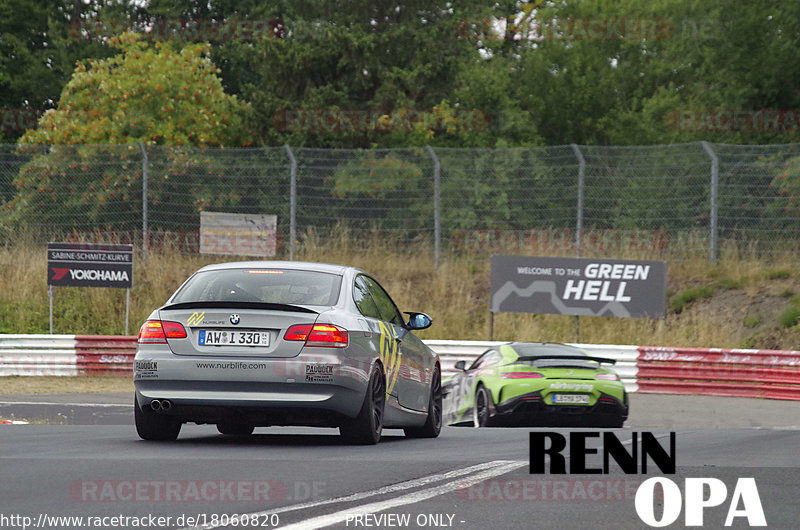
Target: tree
37	56
396	58
155	94
629	84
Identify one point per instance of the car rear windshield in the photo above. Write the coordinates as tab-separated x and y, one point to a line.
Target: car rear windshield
276	286
554	350
526	350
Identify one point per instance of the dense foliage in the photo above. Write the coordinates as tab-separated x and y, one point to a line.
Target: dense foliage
376	74
586	72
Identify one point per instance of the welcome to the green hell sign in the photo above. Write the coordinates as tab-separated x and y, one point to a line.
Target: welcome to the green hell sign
558	239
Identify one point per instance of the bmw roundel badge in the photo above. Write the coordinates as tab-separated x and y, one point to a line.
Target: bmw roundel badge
234	319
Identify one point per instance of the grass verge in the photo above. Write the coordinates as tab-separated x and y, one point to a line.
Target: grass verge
16	384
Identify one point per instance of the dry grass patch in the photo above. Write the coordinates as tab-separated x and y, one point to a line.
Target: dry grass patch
65	385
456	295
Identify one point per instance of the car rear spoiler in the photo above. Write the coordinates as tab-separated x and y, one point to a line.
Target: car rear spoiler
239	305
570	357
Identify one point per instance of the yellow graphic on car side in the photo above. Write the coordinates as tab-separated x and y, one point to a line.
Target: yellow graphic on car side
196	318
389	355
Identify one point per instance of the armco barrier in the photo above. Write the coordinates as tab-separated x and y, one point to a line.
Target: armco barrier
746	373
767	374
105	353
66	354
38	355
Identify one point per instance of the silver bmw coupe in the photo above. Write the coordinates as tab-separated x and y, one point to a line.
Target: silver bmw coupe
260	343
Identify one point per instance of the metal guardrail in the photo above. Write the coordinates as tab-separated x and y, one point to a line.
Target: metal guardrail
66	355
38	355
771	374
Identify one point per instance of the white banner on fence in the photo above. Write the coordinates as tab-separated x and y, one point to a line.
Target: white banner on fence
238	234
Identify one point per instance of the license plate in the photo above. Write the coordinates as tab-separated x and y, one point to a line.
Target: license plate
209	337
571	398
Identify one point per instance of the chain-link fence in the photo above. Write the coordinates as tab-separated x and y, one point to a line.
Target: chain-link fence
669	200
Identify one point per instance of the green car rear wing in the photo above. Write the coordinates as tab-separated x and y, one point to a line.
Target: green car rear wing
570	357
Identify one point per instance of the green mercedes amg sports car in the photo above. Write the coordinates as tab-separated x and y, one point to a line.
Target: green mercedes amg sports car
536	384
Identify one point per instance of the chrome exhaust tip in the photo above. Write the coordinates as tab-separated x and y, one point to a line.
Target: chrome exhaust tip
166	405
155	404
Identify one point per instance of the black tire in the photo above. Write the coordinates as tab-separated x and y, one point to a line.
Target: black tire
618	420
153	426
482	408
235	428
366	428
433	423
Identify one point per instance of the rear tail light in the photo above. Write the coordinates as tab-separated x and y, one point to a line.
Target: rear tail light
607	377
522	375
152	332
298	332
174	330
322	335
157	332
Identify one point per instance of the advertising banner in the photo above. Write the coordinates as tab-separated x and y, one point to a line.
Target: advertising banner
89	265
579	286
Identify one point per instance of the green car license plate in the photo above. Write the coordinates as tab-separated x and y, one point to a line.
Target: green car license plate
580	399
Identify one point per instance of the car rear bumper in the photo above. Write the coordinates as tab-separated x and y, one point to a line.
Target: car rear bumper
532	409
319	390
262	405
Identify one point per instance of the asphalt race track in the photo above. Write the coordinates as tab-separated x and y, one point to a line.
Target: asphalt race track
87	461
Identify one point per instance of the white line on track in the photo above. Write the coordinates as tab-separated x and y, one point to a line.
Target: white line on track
481	472
67	404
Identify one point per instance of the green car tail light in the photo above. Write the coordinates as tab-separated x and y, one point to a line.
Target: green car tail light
522	375
607	377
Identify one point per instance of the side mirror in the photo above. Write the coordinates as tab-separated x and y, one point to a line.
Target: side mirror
461	365
418	321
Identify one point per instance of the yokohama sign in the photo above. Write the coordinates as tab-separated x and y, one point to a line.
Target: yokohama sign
86	265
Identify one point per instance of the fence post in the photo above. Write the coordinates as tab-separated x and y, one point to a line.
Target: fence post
292	201
579	221
437	206
713	253
579	214
143	150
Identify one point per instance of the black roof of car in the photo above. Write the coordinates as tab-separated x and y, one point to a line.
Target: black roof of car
525	349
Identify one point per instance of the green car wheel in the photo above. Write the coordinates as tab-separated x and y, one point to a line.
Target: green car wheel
482	409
